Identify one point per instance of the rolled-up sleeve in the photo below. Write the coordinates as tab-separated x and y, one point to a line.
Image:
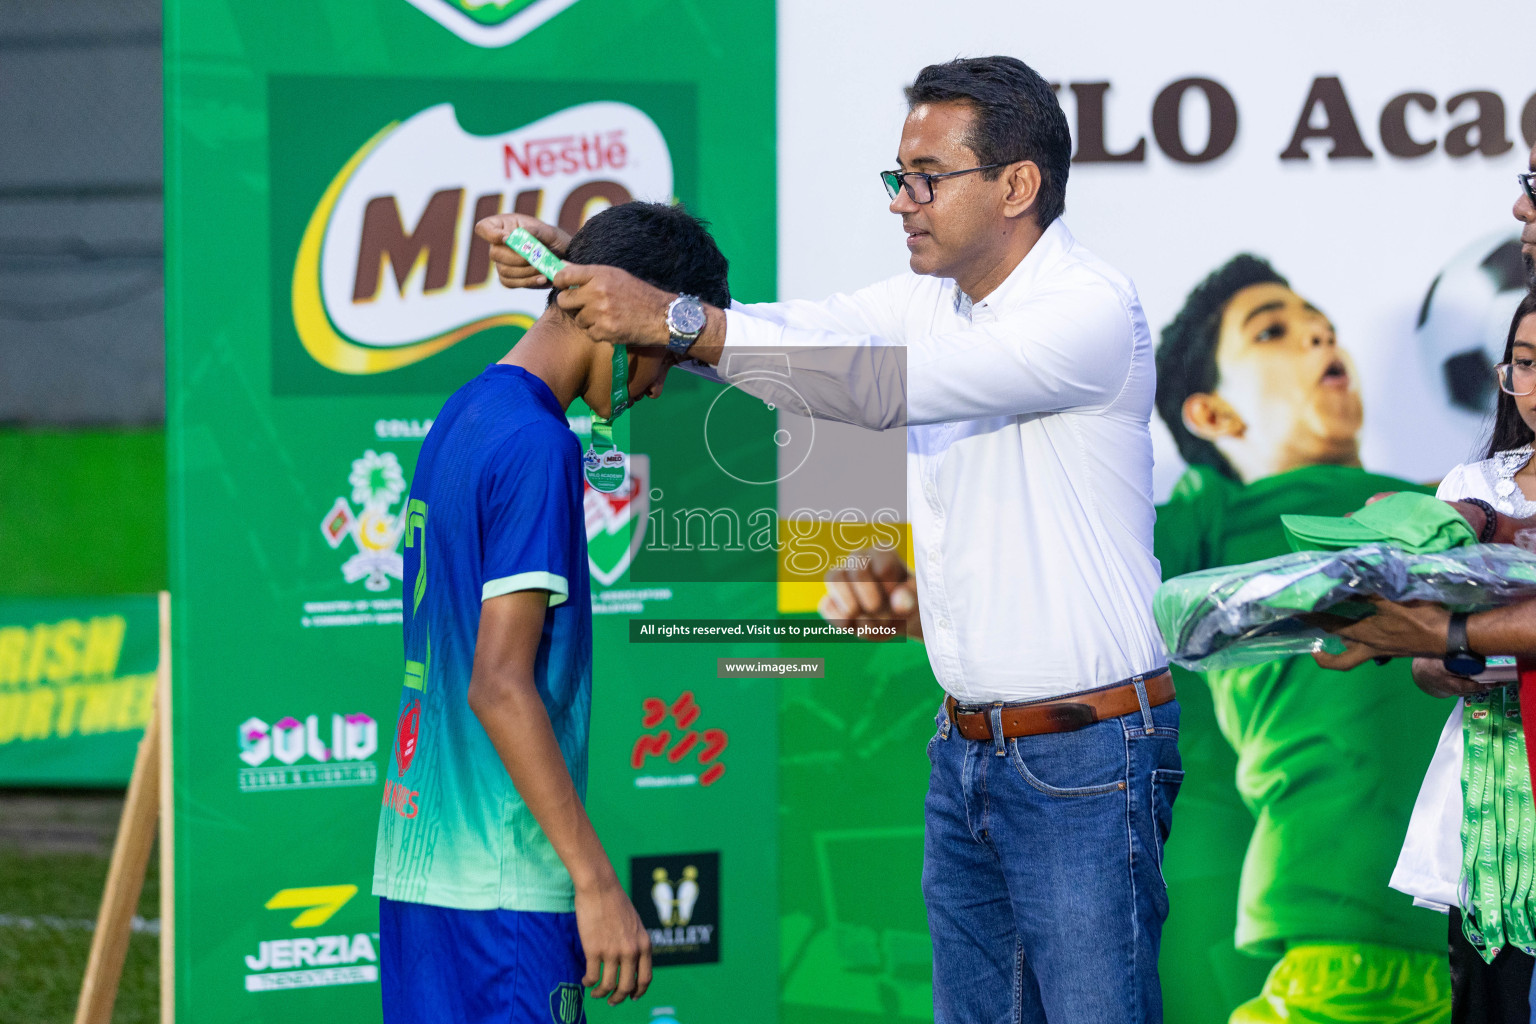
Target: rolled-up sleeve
1068	349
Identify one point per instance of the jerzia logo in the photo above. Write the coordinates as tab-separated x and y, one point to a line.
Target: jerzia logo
313	961
389	270
338	756
490	23
678	899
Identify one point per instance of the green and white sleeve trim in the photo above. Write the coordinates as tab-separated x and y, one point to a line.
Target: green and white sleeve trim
558	588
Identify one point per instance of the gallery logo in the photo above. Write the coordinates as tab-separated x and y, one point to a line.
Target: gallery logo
378	484
317	961
616	521
705	745
490	23
678	899
389	270
343	761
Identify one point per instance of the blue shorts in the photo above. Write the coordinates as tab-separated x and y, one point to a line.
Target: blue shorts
438	965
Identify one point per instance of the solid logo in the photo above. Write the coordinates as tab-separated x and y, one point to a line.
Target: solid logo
704	745
303	757
378	484
389	270
406	734
313	961
678	899
490	23
565	1004
616	520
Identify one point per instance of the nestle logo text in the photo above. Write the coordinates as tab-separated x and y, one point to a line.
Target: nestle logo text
566	154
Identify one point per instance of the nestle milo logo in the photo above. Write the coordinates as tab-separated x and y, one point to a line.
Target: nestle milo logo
490	23
389	270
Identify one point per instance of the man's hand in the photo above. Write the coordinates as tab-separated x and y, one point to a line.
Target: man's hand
1435	679
616	945
613	305
511	268
1417	628
880	592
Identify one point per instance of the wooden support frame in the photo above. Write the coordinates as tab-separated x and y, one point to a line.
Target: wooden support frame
149	790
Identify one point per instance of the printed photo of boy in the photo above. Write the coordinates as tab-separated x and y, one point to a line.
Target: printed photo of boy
1265	407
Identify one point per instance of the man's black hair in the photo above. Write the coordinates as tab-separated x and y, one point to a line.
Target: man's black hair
1509	429
661	244
1186	357
1016	118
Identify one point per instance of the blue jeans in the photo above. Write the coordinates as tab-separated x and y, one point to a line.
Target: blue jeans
1042	871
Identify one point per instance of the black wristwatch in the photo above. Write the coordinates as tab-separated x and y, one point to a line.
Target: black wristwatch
1459	658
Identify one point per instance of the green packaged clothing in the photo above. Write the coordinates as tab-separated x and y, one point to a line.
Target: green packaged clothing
1328	764
1410	520
1354	983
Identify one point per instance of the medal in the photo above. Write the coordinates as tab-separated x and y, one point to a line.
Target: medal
605	466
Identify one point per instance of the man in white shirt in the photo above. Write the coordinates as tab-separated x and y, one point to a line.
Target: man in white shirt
1022	367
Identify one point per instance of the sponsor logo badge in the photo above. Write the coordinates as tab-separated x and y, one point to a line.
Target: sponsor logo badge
293	754
313	961
490	23
406	734
673	748
565	1005
678	899
389	270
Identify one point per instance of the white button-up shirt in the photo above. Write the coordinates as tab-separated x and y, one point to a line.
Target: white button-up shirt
1029	462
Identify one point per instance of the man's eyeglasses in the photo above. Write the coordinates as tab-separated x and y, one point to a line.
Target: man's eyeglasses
1519	377
1528	182
919	186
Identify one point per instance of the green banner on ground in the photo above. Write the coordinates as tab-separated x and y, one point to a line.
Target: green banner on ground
77	687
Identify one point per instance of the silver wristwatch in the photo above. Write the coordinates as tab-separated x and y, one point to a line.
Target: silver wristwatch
685	321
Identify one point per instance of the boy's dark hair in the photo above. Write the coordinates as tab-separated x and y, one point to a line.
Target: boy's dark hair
1509	428
1017	118
661	244
1186	357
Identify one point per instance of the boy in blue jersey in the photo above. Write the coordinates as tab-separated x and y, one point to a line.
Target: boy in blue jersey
497	900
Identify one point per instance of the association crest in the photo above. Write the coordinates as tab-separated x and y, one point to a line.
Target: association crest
490	23
616	522
374	526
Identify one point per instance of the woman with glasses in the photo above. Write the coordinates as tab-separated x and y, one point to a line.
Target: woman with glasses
1492	920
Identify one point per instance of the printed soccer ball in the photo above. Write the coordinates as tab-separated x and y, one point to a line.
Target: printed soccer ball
1464	319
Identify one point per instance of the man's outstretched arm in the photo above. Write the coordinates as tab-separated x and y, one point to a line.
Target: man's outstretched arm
505	698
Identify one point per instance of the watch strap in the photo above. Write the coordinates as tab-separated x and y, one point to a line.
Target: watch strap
1456	641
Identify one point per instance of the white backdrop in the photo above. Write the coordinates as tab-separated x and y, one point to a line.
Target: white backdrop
1361	238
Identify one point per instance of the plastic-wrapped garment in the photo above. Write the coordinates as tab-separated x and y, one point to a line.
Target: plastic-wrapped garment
1247	614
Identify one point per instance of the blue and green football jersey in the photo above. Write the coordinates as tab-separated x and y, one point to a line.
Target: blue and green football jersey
495	507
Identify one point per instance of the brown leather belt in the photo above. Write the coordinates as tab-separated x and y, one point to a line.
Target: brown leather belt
1058	714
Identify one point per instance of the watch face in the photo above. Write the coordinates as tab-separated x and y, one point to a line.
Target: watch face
1464	663
686	316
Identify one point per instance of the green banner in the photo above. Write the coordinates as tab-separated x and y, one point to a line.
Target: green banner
325	293
77	688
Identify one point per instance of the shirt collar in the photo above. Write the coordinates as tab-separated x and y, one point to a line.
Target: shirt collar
1055	241
540	390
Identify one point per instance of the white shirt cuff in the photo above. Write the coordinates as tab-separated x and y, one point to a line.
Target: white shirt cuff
558	588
